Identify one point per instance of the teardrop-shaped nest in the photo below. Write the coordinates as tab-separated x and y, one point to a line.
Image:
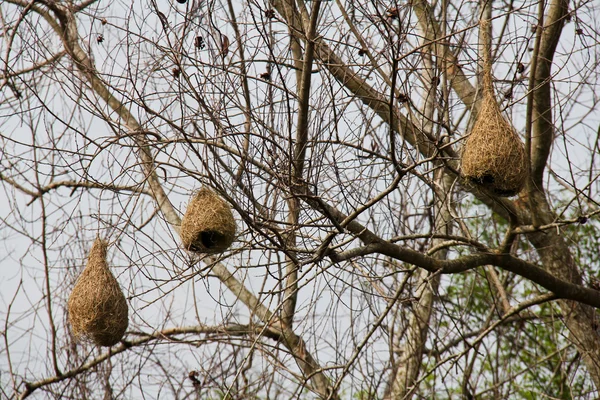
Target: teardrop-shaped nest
208	225
493	155
98	310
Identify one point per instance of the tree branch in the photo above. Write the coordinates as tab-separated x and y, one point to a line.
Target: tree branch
171	333
543	125
458	79
561	288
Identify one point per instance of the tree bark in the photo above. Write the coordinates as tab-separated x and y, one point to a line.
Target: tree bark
579	318
552	248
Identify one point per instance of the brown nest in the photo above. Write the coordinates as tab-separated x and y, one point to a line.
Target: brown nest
98	309
208	225
493	155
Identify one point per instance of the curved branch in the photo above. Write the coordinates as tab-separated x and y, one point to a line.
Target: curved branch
280	334
47	62
230	330
561	288
543	126
459	81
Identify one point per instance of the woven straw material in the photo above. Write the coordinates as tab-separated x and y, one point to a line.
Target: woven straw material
208	225
493	155
97	308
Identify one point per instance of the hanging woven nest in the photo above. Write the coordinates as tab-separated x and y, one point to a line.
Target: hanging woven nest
208	225
97	308
493	155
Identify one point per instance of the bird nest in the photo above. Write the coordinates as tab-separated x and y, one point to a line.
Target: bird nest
493	155
97	308
208	225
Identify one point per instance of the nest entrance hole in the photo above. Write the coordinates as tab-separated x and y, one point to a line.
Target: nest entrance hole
210	240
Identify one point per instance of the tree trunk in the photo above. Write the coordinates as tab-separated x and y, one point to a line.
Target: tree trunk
579	319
